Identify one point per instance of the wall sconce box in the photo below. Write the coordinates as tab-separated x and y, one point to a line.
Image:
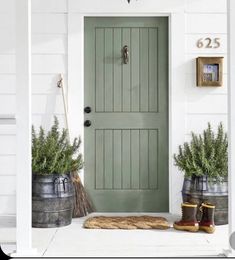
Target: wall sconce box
209	71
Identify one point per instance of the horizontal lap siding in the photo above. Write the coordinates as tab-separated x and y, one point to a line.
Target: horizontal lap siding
8	166
204	18
7	84
198	122
7	107
47	120
6	5
8	205
52	23
45	84
49	6
7	64
206	23
205	6
49	44
49	59
7	169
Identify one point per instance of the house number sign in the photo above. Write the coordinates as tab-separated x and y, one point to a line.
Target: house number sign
208	43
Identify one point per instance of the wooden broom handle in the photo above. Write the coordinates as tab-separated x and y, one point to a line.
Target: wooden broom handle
60	84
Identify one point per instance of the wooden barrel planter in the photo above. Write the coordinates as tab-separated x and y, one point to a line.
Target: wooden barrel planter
199	189
52	200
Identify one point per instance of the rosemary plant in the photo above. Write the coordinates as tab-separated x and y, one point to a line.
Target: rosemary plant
52	153
206	155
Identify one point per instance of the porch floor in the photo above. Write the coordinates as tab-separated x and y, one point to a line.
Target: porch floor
75	241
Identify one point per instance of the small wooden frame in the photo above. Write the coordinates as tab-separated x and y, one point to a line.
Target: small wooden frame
209	71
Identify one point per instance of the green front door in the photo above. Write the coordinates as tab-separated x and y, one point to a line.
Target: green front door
126	145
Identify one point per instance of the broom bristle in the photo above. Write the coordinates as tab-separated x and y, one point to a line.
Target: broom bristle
82	203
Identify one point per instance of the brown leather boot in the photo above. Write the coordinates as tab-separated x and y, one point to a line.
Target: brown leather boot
207	223
189	221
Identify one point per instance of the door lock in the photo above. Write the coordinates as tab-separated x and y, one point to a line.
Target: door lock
87	110
87	123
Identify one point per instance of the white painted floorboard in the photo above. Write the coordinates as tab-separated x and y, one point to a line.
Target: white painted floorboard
75	241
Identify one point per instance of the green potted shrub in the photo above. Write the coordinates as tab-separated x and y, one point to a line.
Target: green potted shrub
53	160
204	161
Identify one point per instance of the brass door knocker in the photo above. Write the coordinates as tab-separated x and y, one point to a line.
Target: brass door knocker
125	54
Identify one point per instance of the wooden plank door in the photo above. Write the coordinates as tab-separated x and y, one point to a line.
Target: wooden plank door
126	145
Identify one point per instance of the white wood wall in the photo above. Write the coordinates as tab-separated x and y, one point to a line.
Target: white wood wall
7	106
204	18
49	58
49	49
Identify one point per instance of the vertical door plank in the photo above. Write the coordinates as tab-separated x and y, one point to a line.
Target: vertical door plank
99	159
126	84
144	178
117	49
135	153
99	60
117	157
108	157
153	159
144	69
135	63
126	169
153	70
108	74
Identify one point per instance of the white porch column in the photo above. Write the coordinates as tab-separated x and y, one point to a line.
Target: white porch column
231	115
23	123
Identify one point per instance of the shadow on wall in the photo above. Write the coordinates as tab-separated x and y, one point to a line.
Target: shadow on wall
49	52
51	103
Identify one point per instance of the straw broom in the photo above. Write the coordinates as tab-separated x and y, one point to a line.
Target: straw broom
82	203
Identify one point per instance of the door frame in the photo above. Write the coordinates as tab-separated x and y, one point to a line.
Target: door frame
77	10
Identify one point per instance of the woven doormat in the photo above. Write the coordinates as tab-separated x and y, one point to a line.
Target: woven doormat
140	222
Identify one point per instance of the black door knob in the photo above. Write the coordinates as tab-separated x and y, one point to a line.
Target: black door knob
87	110
87	123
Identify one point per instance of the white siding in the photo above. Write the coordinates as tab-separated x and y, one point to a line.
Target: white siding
49	44
5	162
49	23
198	122
204	18
49	50
49	6
7	84
45	84
7	106
8	205
206	23
49	59
205	6
7	64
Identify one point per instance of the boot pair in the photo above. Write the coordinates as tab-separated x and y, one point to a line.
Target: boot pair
189	220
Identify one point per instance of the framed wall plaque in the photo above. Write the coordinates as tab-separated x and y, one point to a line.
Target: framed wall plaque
209	71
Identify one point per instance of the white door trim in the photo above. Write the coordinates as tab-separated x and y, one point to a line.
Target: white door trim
177	107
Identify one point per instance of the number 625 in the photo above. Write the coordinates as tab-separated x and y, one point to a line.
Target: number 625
208	43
